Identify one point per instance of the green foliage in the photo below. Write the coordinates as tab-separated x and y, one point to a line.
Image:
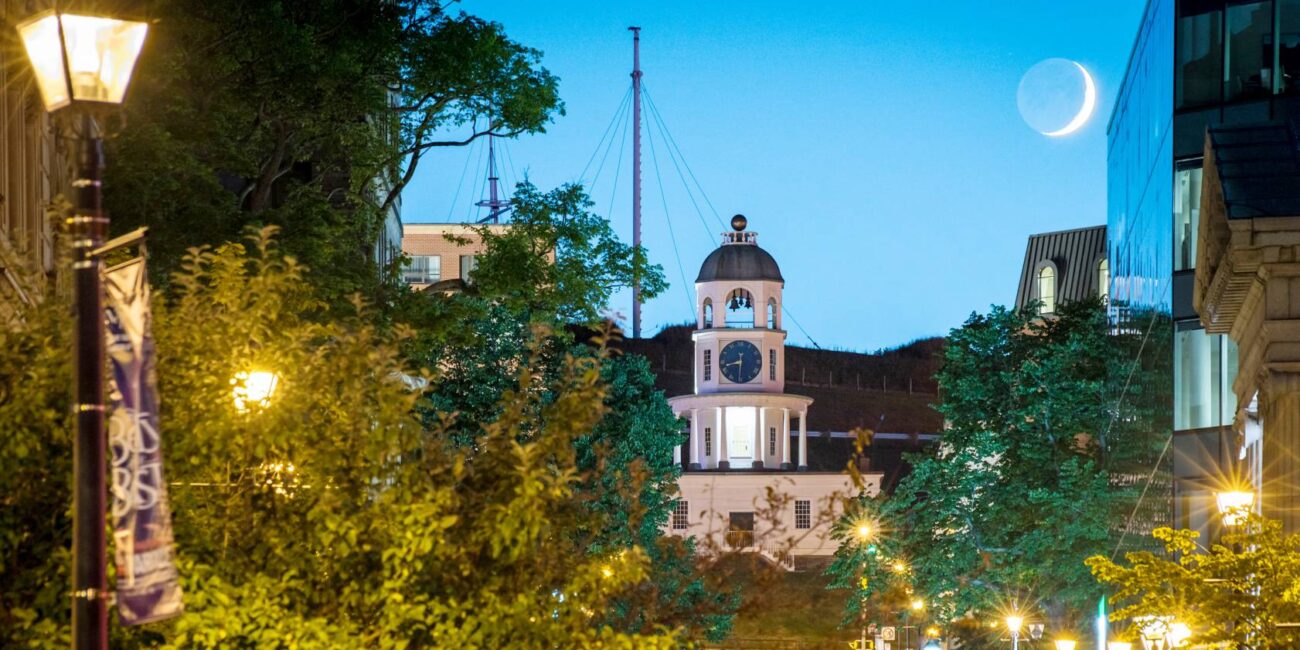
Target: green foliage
558	262
1237	591
1023	487
330	517
311	115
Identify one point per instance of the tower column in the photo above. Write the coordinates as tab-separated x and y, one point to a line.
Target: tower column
785	439
724	461
760	447
803	441
697	450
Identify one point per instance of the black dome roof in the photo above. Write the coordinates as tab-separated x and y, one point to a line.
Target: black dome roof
739	262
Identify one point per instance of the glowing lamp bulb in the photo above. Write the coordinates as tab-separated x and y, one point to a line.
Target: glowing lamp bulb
253	388
80	58
864	531
1234	506
1014	623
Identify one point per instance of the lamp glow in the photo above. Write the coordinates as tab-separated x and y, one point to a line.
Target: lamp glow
900	566
253	388
1119	645
864	531
1014	622
1065	644
80	58
918	604
1234	506
1179	633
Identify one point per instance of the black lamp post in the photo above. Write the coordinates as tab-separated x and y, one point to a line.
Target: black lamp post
84	62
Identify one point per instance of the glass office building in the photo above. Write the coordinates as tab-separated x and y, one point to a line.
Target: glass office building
1194	64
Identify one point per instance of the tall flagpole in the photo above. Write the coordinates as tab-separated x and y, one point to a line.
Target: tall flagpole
636	173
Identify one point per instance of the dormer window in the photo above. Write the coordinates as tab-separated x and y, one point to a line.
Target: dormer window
740	309
1103	279
1047	290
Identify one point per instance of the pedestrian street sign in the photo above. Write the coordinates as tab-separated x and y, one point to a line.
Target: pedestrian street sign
888	633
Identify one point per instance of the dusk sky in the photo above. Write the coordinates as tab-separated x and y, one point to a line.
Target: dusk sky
876	147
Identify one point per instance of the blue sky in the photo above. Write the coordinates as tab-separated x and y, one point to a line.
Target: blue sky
876	147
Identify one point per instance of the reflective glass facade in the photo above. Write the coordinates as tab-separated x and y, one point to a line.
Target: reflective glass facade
1139	169
1195	63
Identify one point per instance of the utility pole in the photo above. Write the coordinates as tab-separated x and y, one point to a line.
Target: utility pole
636	173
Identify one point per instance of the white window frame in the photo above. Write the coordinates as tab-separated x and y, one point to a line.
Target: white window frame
802	514
681	517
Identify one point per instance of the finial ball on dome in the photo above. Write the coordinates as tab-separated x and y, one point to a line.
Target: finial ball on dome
739	222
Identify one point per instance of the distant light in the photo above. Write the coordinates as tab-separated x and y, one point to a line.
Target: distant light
253	388
82	58
1235	506
900	566
1014	623
864	531
1064	644
1178	634
918	604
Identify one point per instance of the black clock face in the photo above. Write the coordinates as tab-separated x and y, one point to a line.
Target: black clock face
741	361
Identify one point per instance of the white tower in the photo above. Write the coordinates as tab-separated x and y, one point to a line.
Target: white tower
740	414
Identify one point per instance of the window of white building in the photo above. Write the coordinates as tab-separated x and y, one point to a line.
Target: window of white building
771	365
742	423
802	514
708	365
681	514
771	441
708	441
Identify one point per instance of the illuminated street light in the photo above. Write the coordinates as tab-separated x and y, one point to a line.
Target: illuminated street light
80	58
253	387
1065	644
918	604
863	531
1234	506
86	61
1178	634
1013	625
1119	645
899	566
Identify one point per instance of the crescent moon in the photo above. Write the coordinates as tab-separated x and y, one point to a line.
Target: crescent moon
1085	111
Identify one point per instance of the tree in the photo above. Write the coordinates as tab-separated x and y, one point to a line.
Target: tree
1237	591
330	517
558	262
1023	487
311	115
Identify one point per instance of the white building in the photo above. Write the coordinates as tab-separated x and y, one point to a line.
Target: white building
746	484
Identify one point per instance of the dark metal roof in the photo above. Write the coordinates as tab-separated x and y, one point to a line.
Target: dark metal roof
1259	169
1075	253
739	262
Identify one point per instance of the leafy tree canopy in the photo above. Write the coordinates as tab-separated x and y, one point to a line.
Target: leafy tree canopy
1021	488
1236	591
331	517
308	114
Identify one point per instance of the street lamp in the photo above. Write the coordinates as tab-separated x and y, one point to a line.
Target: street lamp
82	59
1064	644
84	62
1234	506
1014	622
918	605
253	388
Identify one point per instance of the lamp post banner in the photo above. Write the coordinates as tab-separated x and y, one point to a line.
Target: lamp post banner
147	582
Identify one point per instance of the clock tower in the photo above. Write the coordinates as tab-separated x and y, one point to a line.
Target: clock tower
740	414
